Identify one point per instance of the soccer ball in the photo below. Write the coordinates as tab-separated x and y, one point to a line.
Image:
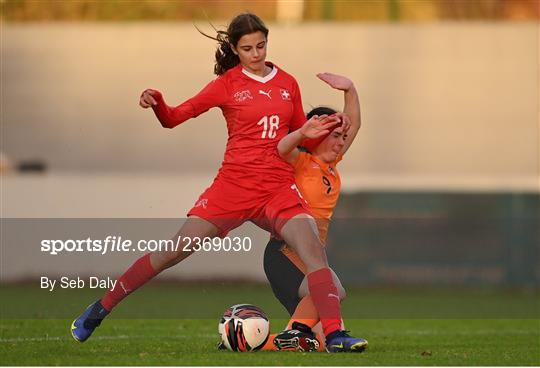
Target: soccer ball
244	327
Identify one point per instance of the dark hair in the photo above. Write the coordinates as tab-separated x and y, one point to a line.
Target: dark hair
320	110
241	25
310	145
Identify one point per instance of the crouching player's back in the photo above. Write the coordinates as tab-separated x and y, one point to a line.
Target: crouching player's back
319	183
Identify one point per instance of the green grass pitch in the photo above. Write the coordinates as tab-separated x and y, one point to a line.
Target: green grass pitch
177	325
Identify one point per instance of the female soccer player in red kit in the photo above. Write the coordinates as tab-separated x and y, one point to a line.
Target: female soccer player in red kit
261	104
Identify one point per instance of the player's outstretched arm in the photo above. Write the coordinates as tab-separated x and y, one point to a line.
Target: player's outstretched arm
313	128
213	95
168	116
351	106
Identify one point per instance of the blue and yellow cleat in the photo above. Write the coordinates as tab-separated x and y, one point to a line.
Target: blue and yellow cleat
340	341
86	323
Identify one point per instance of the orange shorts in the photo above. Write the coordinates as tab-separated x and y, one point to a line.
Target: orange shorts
294	258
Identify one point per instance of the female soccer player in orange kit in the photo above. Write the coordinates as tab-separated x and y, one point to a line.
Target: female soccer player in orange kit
261	104
319	183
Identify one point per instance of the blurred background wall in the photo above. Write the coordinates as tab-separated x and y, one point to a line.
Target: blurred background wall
443	100
447	159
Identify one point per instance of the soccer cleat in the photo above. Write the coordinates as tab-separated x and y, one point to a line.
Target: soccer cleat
299	338
340	341
86	323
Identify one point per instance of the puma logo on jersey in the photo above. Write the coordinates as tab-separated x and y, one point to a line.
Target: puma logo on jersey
267	94
126	290
331	171
333	296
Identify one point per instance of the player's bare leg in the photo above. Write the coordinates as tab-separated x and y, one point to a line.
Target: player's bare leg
194	227
300	233
142	271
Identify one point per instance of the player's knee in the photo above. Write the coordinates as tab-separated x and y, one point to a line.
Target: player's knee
341	290
342	293
303	289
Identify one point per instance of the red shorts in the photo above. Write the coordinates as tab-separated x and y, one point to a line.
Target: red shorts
227	206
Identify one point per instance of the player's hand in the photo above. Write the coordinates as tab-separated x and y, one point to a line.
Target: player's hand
336	81
346	122
148	98
318	126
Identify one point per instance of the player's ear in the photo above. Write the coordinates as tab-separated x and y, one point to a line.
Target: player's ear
234	50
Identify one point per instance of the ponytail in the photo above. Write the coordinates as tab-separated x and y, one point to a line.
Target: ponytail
225	56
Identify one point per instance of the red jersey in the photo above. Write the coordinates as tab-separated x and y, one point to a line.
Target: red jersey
259	111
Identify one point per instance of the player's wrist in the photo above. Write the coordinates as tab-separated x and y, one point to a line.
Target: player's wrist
158	96
351	88
301	133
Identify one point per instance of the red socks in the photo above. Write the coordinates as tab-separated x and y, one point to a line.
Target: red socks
137	275
326	299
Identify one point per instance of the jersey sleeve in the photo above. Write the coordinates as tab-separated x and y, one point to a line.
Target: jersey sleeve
213	95
298	118
302	159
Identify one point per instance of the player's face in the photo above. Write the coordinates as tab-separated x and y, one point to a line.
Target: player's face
251	50
332	146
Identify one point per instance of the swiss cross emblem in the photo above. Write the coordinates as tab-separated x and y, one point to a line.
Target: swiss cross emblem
285	94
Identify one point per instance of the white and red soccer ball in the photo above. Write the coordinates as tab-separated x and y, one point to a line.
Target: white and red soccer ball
244	327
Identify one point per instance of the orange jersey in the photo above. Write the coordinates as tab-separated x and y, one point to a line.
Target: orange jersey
320	184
